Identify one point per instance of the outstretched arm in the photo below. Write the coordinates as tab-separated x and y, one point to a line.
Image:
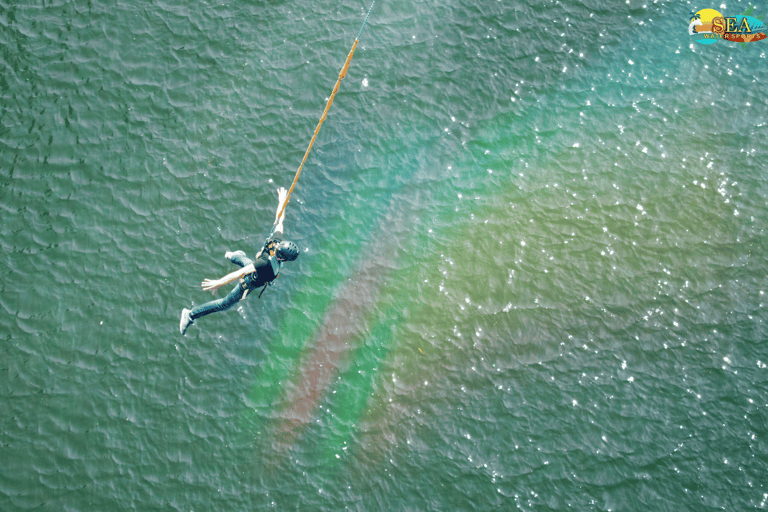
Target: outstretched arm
282	197
212	284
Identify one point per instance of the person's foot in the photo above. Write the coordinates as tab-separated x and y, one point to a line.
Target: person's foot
229	255
186	320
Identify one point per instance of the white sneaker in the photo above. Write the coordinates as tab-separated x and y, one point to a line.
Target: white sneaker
186	321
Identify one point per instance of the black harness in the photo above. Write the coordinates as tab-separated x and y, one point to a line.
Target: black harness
269	248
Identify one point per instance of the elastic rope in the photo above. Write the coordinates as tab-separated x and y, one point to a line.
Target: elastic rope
365	20
342	74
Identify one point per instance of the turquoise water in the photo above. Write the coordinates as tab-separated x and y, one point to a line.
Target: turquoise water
533	271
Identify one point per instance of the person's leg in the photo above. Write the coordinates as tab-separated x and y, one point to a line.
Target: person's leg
217	305
238	258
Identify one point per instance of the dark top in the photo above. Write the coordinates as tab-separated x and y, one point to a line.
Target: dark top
263	273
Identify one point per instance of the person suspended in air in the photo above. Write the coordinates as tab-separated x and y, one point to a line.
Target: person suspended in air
260	271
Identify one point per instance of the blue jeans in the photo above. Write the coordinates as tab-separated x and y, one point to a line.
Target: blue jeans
235	296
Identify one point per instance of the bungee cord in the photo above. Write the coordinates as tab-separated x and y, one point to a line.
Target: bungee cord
342	74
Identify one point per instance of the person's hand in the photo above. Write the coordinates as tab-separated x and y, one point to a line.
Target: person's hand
282	197
282	194
210	285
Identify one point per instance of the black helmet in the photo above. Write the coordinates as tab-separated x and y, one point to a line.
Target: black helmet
287	251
